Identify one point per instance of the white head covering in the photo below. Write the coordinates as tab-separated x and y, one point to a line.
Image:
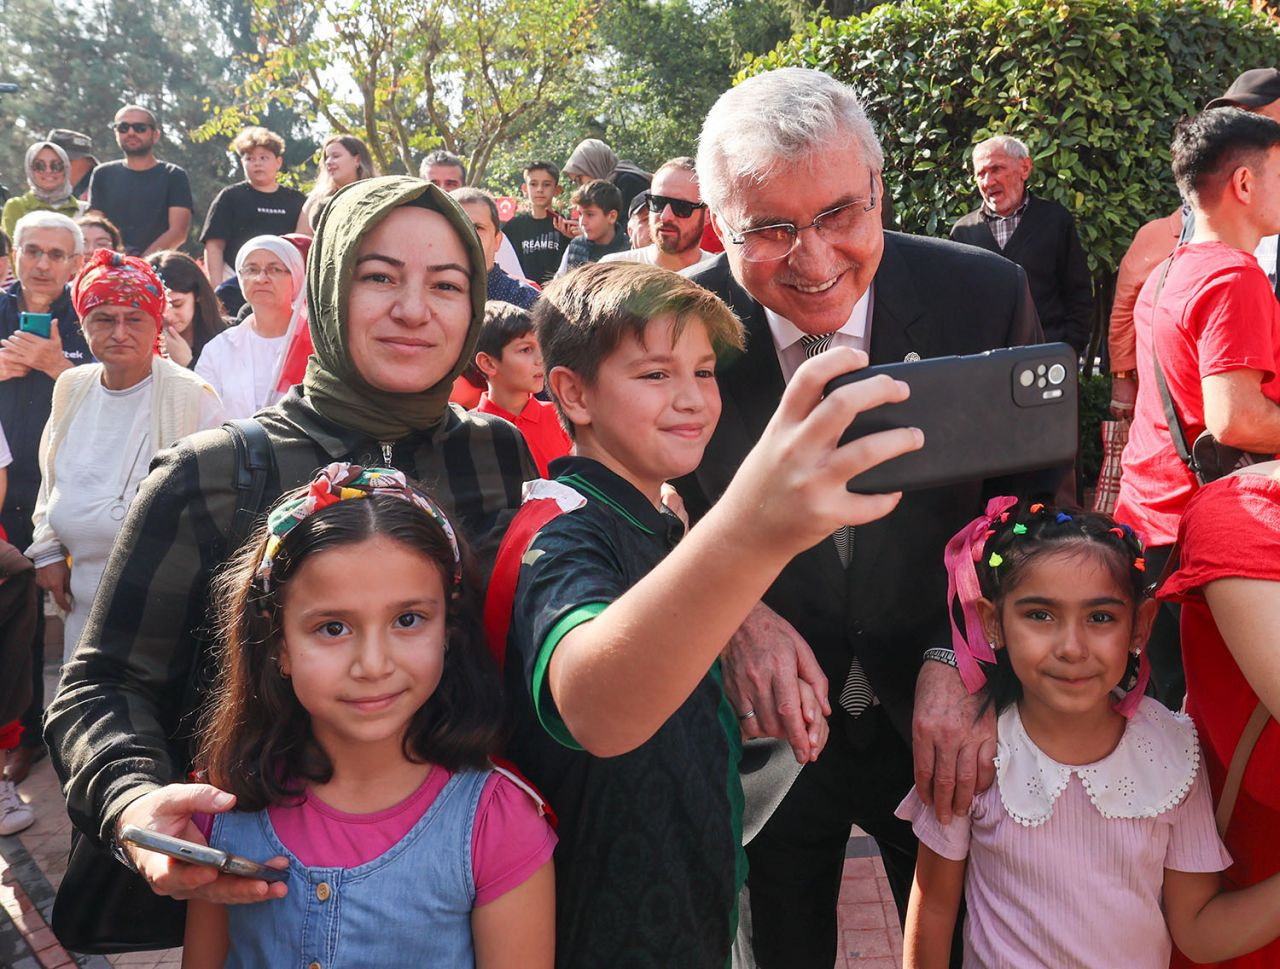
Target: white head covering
60	194
282	249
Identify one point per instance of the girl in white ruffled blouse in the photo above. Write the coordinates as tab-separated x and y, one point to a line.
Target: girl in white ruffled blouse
1096	842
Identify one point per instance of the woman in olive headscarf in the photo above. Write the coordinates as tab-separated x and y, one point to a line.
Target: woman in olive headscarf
396	289
49	175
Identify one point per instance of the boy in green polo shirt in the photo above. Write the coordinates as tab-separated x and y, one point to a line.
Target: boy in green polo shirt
611	658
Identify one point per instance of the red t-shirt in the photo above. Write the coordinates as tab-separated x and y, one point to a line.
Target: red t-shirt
1217	313
539	424
1231	529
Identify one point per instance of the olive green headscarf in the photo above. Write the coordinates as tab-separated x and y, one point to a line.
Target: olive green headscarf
332	384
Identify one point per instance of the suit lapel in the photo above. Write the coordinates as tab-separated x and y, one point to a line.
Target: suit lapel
754	381
896	324
751	386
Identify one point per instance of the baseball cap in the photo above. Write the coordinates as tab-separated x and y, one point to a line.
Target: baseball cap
75	143
640	199
1252	89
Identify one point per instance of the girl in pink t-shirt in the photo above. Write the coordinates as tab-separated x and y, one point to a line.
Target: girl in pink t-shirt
354	716
1096	842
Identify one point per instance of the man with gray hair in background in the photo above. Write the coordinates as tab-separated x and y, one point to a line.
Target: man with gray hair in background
1036	233
791	170
47	250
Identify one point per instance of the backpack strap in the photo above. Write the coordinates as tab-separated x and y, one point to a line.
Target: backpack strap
501	596
1239	761
254	460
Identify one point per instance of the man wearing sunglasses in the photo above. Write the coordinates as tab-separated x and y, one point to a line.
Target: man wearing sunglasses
791	170
149	200
677	216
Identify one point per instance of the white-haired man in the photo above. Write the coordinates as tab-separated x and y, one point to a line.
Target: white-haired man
47	250
1036	233
790	168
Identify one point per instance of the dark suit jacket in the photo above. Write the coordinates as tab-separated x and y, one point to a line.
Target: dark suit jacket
1046	246
932	297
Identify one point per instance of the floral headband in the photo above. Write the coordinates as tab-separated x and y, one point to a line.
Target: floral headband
963	553
341	482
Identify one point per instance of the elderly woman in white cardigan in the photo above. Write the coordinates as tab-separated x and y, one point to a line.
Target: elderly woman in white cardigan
108	420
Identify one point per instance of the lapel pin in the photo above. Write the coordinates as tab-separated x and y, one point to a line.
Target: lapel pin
911	357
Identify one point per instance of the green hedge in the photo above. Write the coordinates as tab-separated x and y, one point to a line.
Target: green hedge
1092	86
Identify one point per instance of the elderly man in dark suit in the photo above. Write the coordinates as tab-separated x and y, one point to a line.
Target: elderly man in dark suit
1038	234
791	170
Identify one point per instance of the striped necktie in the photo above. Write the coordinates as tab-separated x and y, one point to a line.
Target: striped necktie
857	695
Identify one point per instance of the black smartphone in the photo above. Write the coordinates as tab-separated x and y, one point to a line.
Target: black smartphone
984	415
198	854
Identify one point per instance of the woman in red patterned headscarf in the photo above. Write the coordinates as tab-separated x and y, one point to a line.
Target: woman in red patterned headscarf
108	420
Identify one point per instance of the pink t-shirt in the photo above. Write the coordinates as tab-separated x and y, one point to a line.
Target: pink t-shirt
1217	313
1079	890
509	841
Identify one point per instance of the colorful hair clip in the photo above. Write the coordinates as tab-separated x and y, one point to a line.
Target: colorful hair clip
1004	517
996	560
1140	564
1019	529
342	481
1063	517
1037	507
1118	532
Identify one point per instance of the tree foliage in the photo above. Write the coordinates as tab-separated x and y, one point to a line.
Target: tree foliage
1093	87
408	76
656	69
76	64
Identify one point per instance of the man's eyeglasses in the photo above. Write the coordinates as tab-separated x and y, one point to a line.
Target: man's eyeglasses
139	127
681	207
271	272
35	254
770	242
54	166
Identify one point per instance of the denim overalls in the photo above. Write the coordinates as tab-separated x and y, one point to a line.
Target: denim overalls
409	906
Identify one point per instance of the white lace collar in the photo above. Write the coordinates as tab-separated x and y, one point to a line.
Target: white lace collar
1148	773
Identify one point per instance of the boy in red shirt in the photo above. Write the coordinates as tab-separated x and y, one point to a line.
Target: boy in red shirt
508	356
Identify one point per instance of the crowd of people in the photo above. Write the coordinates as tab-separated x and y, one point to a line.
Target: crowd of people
633	659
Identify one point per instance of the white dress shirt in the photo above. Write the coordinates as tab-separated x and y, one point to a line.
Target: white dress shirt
855	333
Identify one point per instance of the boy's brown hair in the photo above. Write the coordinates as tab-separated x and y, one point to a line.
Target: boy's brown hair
582	317
257	137
602	194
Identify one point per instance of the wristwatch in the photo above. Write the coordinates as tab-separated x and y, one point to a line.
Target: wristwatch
940	654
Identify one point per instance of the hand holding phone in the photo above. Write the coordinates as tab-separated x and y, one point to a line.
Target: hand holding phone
198	854
984	415
37	323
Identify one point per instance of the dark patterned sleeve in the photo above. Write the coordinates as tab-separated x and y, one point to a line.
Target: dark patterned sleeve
111	727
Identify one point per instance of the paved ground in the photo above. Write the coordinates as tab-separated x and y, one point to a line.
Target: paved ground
32	863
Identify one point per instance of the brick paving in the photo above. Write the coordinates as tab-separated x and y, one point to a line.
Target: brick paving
32	864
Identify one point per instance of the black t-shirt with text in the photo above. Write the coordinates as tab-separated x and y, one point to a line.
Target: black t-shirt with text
538	243
240	212
139	202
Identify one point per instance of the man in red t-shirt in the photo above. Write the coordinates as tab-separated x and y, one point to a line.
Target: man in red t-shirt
1215	325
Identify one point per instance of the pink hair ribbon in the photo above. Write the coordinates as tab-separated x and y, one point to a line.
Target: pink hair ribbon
964	549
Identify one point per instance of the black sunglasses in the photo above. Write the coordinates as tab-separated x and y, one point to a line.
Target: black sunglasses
137	126
54	166
681	207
